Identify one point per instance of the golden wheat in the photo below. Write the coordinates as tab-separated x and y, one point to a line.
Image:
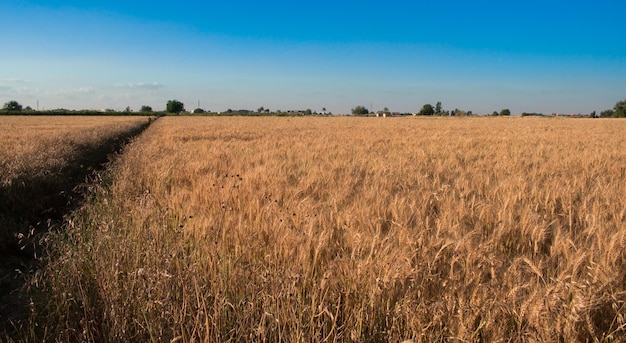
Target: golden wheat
351	229
42	160
38	144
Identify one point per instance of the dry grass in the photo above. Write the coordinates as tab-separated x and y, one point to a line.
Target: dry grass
350	229
36	144
43	156
42	160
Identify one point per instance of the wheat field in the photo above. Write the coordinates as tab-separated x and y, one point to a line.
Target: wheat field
41	156
43	162
348	230
43	144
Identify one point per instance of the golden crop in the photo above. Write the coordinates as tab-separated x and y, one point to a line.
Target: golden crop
351	229
38	144
42	161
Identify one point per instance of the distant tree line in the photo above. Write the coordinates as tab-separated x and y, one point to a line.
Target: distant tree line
618	111
426	110
175	107
360	110
13	107
503	112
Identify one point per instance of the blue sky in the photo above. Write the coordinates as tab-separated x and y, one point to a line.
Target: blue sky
534	56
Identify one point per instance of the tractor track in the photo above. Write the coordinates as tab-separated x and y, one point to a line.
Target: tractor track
30	218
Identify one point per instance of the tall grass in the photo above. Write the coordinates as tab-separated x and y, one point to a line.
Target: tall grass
42	161
43	158
349	229
31	145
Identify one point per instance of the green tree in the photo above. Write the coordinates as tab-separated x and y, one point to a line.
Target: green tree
438	109
607	113
619	111
145	108
174	106
360	110
12	106
461	113
427	110
505	112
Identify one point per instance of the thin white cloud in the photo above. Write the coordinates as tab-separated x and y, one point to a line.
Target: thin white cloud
18	91
74	91
14	80
86	90
140	85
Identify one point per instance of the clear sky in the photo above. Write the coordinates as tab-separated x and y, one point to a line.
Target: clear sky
533	55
